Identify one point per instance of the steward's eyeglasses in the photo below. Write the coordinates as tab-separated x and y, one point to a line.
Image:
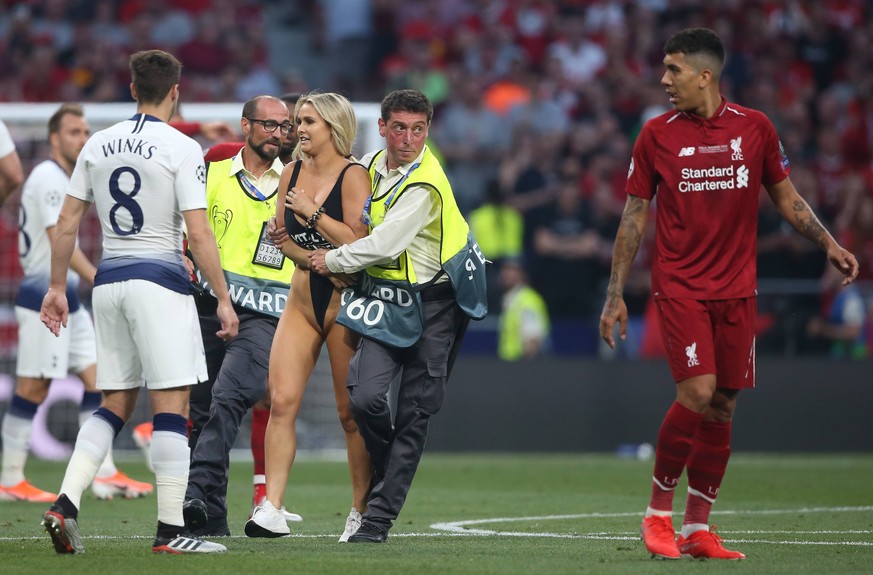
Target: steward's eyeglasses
271	125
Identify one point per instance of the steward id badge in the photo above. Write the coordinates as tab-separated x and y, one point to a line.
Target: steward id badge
267	253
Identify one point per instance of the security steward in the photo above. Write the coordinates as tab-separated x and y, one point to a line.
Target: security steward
241	195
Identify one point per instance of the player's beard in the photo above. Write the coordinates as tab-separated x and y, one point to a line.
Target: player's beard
260	149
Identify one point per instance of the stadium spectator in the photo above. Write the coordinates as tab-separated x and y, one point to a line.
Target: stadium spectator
858	234
831	172
858	133
343	31
492	55
541	113
418	66
206	53
524	317
533	23
842	321
172	25
568	251
42	357
141	261
428	238
104	24
239	195
472	140
255	76
510	90
580	58
324	195
52	23
44	78
707	200
499	229
528	173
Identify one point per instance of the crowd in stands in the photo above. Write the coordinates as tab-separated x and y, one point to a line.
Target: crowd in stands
77	50
538	103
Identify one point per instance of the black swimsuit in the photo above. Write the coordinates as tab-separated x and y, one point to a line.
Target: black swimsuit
320	287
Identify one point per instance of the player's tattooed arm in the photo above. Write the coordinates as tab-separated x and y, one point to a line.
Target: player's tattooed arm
627	243
797	212
806	222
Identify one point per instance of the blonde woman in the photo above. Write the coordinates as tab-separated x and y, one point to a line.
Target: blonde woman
323	205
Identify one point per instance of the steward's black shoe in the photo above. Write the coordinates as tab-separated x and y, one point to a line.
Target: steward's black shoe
369	533
194	512
215	527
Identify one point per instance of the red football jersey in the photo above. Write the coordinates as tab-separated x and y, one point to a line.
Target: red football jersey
707	175
223	151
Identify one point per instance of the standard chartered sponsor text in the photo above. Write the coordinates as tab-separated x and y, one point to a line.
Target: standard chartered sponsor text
703	180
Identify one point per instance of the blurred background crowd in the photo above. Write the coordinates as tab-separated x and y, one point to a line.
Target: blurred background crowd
538	104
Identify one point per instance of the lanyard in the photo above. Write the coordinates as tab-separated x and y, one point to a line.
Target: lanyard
396	187
392	192
250	187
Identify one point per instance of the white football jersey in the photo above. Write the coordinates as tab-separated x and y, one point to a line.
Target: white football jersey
141	174
41	198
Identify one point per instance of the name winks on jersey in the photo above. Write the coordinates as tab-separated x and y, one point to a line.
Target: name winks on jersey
129	146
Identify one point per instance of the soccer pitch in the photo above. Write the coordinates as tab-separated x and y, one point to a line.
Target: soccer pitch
484	514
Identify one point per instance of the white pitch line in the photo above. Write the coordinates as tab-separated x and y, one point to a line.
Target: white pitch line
461	527
762	532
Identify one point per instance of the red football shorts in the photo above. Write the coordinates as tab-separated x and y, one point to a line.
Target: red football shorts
710	336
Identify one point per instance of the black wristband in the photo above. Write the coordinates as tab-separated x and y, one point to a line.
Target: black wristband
310	223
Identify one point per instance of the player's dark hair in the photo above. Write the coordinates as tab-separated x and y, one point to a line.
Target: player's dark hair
54	123
406	101
696	41
154	73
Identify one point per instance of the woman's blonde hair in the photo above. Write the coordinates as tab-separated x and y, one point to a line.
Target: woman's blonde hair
338	113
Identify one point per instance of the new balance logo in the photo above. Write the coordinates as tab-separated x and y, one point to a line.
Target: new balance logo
691	352
689	151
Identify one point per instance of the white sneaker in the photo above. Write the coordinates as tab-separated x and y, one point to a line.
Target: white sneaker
290	516
353	523
260	495
267	521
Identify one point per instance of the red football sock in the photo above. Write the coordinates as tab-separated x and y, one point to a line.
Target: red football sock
706	468
260	417
675	440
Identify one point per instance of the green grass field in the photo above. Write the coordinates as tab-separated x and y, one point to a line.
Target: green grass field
486	513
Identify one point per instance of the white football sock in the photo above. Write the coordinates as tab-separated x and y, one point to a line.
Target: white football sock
171	459
92	444
107	468
692	528
16	441
657	512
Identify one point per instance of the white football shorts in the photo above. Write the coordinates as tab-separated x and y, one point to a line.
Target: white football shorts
148	334
42	355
